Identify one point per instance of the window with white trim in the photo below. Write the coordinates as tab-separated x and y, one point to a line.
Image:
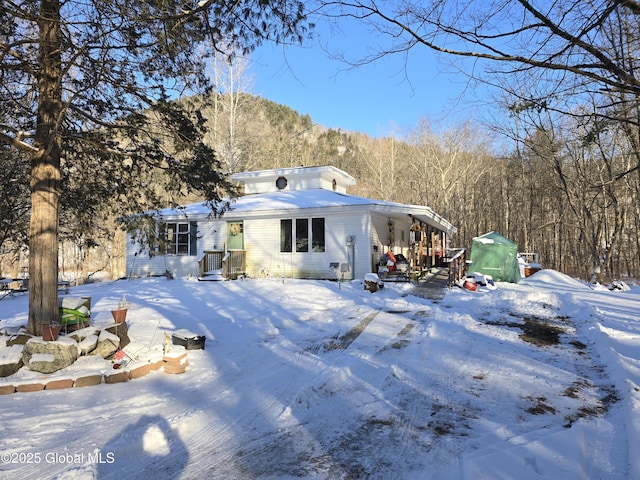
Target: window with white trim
307	234
178	238
317	235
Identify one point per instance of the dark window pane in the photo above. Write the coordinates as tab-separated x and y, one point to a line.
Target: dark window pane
302	235
171	238
176	238
286	235
317	234
183	244
193	238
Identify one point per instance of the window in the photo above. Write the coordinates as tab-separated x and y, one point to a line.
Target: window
286	234
302	235
304	229
281	183
317	234
179	238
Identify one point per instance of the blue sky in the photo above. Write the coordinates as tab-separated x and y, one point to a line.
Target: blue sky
368	99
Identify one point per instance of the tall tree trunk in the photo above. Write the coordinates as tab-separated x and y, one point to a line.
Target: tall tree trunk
45	176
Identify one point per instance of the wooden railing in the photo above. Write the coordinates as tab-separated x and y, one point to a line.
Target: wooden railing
232	264
457	265
209	262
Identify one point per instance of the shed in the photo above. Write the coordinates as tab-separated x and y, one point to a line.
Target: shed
495	255
294	222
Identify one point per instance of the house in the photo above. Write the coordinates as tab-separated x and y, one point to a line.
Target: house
294	222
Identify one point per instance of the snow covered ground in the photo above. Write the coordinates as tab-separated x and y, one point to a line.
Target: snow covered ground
314	379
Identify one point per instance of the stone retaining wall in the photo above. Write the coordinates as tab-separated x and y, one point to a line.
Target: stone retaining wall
48	358
175	362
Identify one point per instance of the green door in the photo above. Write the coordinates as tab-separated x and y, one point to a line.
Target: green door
235	236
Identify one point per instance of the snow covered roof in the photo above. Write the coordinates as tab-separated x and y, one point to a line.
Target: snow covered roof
328	200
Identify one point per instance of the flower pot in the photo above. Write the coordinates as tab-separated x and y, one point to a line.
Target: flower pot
119	315
470	285
50	332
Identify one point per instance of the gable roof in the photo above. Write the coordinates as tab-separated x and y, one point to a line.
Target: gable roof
283	201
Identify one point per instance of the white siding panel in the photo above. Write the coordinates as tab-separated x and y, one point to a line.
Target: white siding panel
262	244
380	231
211	235
356	225
143	265
349	239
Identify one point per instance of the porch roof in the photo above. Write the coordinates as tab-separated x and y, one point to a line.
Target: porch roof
281	201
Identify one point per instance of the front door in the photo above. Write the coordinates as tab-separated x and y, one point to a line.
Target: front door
235	235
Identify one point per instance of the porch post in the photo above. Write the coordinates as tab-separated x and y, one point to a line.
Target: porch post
433	248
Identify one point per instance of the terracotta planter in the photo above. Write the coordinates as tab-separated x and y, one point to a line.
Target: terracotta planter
50	332
119	316
470	285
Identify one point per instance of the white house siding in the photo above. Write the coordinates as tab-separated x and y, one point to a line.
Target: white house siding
210	237
356	228
262	245
380	231
297	178
367	230
143	265
357	224
402	229
304	183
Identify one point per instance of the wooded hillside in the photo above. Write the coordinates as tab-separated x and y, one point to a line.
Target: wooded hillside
558	192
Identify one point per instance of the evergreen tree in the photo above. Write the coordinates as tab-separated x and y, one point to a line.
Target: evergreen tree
89	92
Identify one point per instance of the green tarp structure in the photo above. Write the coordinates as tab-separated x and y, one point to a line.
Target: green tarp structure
492	254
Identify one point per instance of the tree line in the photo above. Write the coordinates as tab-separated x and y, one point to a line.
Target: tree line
555	192
561	186
90	124
567	73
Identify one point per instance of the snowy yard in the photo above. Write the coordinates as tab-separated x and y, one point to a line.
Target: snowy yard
320	380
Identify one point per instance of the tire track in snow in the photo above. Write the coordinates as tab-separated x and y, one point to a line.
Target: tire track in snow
355	450
346	383
401	339
347	339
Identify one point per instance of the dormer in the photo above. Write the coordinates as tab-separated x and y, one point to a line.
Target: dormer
295	178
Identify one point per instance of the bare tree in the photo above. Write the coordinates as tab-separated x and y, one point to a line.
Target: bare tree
227	116
383	166
448	160
564	49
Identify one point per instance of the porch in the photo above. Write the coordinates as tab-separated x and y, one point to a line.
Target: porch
415	256
221	265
